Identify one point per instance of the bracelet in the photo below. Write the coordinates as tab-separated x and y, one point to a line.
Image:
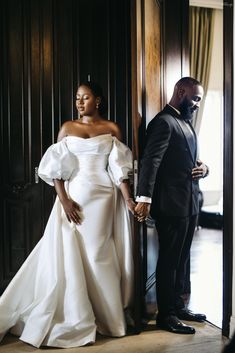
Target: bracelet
130	198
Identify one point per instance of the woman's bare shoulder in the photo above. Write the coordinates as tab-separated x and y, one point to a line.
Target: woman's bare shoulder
67	128
114	129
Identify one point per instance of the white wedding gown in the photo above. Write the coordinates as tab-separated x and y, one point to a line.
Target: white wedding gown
78	278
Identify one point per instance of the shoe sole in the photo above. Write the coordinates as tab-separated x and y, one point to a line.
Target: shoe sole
161	327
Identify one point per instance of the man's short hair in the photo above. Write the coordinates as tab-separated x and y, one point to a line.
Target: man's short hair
188	81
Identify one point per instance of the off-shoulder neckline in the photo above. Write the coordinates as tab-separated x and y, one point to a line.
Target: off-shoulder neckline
88	138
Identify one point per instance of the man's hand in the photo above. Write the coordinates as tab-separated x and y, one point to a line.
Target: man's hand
142	211
131	205
200	171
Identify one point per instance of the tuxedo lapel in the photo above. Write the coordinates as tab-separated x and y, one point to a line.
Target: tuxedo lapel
196	141
190	137
187	131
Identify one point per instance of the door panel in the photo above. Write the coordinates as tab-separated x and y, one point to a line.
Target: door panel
47	48
159	58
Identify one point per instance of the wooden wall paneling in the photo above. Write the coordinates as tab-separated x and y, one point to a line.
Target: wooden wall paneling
76	52
152	62
59	77
4	94
15	98
17	188
34	83
152	104
185	37
119	67
65	73
93	46
46	94
46	73
106	49
33	62
175	44
14	250
85	23
112	62
48	47
100	43
129	138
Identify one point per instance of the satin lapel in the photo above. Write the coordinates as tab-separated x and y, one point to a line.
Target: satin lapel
186	134
195	136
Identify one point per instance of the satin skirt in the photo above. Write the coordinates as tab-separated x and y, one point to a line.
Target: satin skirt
78	279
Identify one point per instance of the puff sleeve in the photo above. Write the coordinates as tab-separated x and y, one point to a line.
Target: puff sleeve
57	163
120	162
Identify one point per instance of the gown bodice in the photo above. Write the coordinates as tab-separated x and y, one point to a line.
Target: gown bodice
97	145
103	159
91	157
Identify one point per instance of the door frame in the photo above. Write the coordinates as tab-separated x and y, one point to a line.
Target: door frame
228	166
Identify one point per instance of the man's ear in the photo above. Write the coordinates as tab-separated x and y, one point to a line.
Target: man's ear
181	92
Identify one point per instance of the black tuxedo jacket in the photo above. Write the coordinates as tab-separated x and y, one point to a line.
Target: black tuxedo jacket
169	156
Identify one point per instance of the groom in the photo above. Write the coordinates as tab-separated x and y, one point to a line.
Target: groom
168	189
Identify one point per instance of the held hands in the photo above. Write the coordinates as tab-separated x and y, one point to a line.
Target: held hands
200	171
131	205
139	210
72	211
142	211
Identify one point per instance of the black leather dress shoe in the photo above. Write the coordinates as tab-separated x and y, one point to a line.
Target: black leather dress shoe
171	323
188	315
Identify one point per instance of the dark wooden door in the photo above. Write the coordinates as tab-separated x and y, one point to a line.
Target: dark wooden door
146	103
159	59
25	106
47	48
228	170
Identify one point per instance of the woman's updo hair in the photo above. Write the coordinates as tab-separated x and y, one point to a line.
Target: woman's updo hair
97	92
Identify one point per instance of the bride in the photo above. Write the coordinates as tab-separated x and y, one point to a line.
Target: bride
78	279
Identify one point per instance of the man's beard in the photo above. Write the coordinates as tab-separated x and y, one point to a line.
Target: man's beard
187	111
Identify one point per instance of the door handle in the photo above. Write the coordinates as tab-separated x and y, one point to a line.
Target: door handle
135	176
36	177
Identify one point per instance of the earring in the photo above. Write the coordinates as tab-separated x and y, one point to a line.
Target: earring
97	105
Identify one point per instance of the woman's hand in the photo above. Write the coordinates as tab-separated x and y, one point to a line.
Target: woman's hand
131	205
72	211
71	208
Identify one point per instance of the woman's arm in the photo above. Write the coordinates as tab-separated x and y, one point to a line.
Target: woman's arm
63	130
125	185
71	208
116	131
126	193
